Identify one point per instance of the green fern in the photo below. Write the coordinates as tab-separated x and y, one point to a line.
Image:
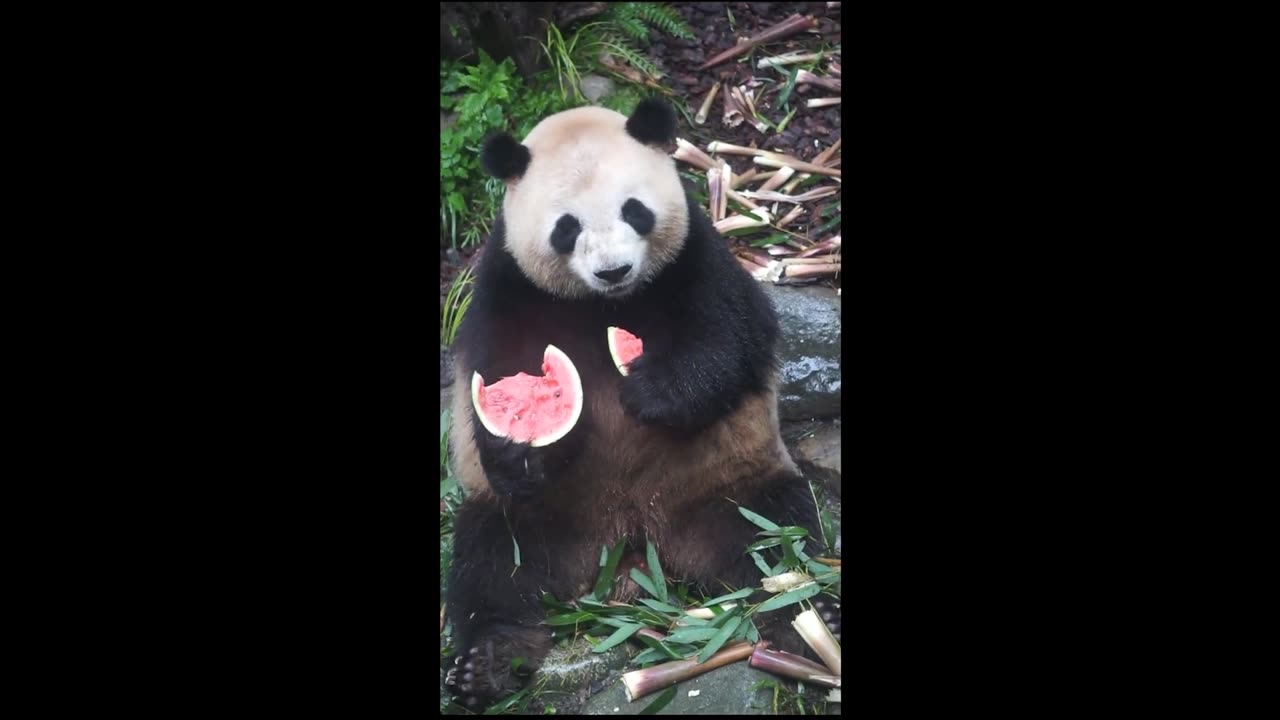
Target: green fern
664	18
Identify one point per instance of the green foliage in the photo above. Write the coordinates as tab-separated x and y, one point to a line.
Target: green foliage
456	302
631	18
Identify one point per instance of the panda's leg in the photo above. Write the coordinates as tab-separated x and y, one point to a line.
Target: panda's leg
493	605
708	544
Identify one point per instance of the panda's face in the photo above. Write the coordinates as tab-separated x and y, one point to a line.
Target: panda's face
596	212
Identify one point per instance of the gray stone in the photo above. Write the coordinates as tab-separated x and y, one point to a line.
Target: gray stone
576	667
724	691
595	87
809	351
818	455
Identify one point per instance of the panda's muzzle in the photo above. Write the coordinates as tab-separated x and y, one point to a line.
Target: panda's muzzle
614	275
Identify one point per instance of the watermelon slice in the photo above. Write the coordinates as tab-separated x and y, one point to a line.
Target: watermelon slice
538	410
624	347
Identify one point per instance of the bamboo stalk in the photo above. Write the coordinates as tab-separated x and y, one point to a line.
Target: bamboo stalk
823	248
770	196
819	637
791	216
688	152
738	222
823	158
744	178
795	165
720	147
827	260
790	58
821	102
714	193
735	196
791	26
834	68
792	666
706	614
639	683
808	271
726	187
701	117
732	106
779	250
832	562
804	76
779	176
756	272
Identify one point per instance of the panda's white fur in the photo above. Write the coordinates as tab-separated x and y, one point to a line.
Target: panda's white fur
583	163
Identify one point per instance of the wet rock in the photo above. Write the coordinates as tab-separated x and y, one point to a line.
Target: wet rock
724	691
818	455
808	351
595	87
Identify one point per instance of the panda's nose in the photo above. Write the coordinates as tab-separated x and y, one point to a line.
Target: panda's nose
615	274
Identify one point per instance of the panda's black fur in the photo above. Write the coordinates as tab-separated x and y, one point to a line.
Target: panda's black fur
709	336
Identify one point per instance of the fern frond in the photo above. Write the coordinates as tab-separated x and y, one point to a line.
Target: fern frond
664	18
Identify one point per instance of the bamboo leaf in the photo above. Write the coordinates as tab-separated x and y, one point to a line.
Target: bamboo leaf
692	634
643	581
719	639
760	521
568	619
731	596
661	606
661	647
790	597
604	584
760	563
622	634
655	571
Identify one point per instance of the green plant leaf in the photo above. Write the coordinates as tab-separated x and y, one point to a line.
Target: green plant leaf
789	597
760	563
786	90
655	571
661	606
604	583
621	634
731	596
758	520
568	618
661	647
692	634
643	581
719	639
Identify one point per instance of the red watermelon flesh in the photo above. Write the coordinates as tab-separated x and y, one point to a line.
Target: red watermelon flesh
538	410
624	347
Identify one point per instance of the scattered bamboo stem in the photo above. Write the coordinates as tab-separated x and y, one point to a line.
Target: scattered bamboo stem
795	165
756	272
650	632
744	178
701	117
790	58
821	102
779	250
831	562
804	76
736	197
779	176
809	271
823	248
738	222
706	614
726	187
819	637
834	68
784	581
823	158
791	216
639	683
770	196
723	148
714	193
786	28
689	153
442	607
792	666
734	110
827	260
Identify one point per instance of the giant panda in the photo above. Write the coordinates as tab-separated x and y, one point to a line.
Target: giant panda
595	231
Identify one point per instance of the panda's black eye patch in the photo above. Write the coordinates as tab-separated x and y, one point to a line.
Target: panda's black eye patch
638	216
565	235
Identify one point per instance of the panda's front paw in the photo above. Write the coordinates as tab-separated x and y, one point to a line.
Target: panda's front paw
650	394
513	469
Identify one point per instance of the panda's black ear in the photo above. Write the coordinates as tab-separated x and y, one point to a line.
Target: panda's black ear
504	158
653	122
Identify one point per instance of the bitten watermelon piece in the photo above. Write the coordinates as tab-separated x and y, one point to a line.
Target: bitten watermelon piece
531	409
624	347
